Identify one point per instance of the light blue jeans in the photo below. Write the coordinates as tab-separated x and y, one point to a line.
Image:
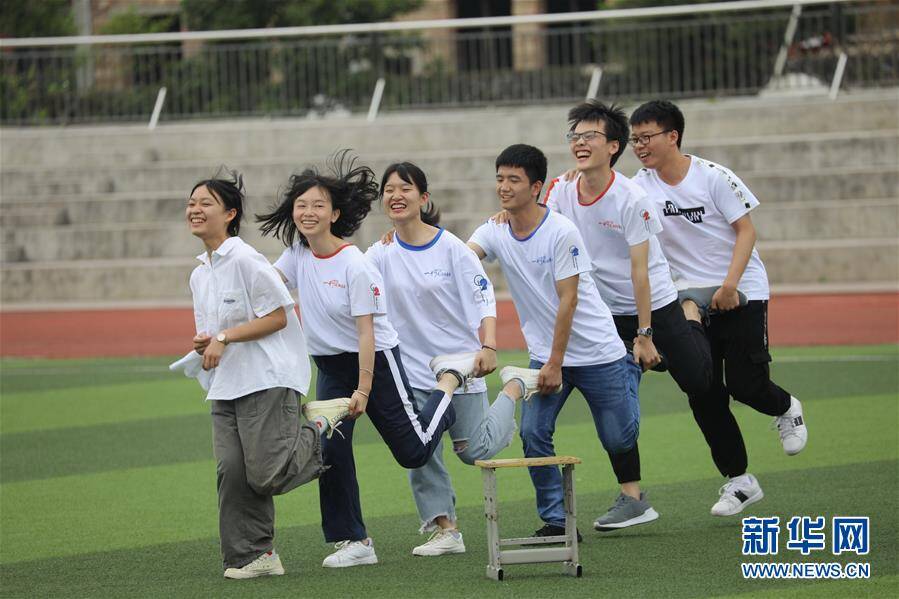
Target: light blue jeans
611	393
481	431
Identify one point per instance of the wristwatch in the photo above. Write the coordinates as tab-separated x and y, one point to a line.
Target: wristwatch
645	332
222	338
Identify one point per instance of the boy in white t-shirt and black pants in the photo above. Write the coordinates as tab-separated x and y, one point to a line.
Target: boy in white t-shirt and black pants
569	331
619	225
709	240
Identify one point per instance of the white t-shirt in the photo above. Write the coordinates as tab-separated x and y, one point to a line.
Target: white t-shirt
554	251
620	217
439	294
237	286
333	290
698	238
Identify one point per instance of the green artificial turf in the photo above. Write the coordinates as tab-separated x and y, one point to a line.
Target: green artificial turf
108	489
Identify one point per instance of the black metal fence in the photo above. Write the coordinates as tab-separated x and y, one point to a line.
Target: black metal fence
695	55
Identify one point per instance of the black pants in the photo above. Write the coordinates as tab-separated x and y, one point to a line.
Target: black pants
411	435
740	358
686	348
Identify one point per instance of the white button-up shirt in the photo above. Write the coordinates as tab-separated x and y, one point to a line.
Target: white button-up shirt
235	286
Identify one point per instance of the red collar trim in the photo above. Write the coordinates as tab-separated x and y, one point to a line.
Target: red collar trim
332	254
597	198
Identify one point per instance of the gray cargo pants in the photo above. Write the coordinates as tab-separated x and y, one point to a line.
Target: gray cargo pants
261	450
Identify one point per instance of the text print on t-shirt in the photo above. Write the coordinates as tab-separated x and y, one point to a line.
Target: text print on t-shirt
694	215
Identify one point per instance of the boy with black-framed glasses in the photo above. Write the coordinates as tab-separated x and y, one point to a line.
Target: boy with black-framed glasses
619	225
709	241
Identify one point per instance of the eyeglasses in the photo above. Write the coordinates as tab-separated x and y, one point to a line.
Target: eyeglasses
646	138
573	137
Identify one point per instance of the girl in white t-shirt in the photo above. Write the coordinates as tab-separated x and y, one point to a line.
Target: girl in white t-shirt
252	345
343	306
439	297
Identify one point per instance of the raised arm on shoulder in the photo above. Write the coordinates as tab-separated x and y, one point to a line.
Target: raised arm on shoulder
477	250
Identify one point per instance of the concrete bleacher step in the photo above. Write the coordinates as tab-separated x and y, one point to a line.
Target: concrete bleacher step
166	237
264	176
95	213
134	145
831	261
164	280
772	185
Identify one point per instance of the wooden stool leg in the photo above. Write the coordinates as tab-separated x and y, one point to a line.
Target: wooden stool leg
572	567
494	568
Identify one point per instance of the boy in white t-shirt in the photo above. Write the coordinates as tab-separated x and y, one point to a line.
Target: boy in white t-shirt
709	240
569	331
619	225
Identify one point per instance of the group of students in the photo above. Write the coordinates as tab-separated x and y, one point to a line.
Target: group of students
604	289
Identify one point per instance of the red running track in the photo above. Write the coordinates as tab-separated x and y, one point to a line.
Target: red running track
848	319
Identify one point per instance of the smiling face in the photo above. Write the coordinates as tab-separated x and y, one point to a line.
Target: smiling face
514	189
313	212
206	214
593	153
402	200
654	146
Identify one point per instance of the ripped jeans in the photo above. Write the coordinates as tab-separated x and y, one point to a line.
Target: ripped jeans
480	432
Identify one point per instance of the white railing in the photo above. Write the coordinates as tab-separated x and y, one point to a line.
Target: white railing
722	48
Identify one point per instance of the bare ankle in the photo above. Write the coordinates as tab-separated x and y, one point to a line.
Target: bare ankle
512	389
691	311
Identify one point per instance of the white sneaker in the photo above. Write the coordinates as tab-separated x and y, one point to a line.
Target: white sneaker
351	553
526	377
459	365
267	564
441	542
332	410
739	492
793	433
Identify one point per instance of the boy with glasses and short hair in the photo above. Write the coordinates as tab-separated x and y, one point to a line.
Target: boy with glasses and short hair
619	225
709	240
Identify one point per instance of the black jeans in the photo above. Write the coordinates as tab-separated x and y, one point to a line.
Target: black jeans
685	346
740	358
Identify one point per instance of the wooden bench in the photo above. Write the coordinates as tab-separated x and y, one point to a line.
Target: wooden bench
499	557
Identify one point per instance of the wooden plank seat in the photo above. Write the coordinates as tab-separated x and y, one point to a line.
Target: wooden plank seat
498	557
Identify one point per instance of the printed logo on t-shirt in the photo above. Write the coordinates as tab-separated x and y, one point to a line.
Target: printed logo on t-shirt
376	294
646	216
734	186
481	284
438	273
334	283
574	254
607	224
694	215
542	260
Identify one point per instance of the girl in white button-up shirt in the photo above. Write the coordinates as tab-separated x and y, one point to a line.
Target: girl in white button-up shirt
251	342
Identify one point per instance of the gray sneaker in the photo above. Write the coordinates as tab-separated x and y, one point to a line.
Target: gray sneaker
627	511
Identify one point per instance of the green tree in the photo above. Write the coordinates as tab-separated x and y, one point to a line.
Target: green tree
28	18
247	14
130	21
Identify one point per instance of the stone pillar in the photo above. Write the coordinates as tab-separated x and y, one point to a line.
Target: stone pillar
528	45
440	43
